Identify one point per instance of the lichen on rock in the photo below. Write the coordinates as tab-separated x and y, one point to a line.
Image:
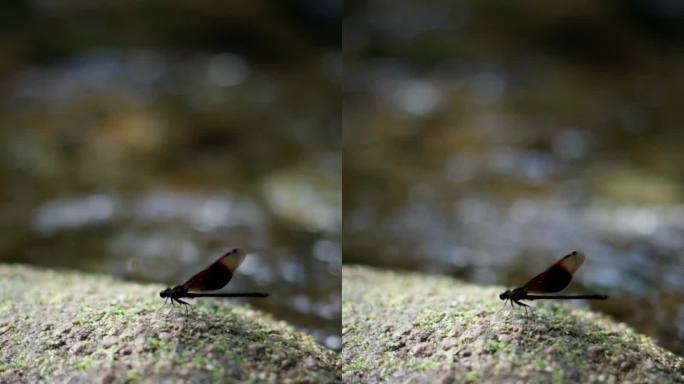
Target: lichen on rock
71	327
405	327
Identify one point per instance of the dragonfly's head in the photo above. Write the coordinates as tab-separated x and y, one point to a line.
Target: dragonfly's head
505	295
165	293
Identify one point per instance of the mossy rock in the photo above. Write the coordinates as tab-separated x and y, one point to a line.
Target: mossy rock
72	327
402	327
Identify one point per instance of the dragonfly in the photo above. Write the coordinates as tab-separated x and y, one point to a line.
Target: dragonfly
212	278
553	279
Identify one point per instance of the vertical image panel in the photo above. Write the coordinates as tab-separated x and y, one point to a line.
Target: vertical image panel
170	208
483	142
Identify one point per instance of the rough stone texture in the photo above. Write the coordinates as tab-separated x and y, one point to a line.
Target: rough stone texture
71	327
401	327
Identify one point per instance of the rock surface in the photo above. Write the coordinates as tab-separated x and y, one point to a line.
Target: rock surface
71	327
402	327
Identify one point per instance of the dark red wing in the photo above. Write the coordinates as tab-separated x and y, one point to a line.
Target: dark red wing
218	274
557	276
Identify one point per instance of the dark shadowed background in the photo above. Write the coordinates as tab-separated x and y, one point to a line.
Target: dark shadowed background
486	139
142	139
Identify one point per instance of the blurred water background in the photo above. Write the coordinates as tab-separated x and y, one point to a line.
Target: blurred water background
142	139
486	139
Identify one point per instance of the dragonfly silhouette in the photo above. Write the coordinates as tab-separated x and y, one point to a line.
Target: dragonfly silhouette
554	279
212	278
